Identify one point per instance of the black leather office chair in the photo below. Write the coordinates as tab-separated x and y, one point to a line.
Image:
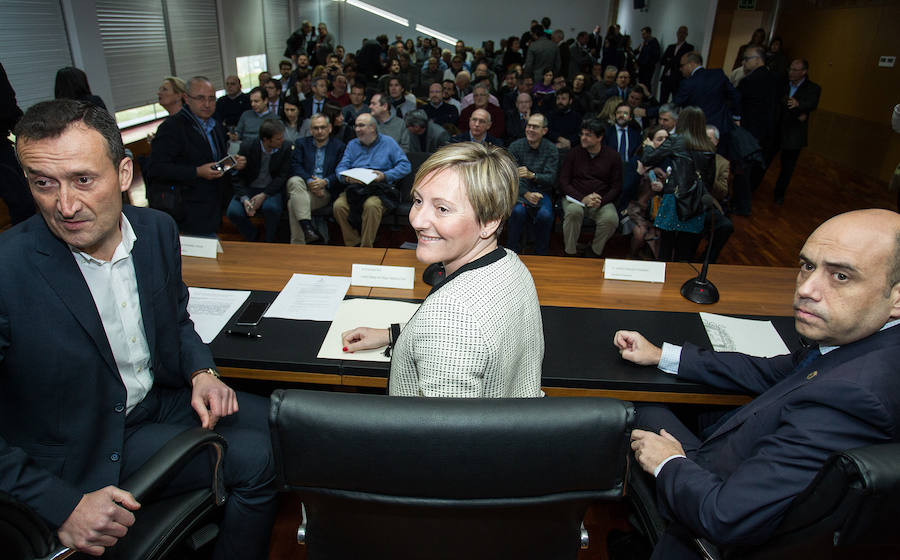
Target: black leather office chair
850	509
160	525
403	478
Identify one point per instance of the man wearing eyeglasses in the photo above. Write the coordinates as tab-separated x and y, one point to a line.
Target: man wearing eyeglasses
183	166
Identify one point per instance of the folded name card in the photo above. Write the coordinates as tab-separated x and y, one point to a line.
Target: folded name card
205	247
375	276
641	271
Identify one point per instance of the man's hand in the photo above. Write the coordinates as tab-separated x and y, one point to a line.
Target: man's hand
232	136
240	162
99	520
651	449
792	103
635	348
207	172
212	399
257	201
524	173
365	338
533	197
592	200
248	207
563	143
353	181
316	186
379	176
640	112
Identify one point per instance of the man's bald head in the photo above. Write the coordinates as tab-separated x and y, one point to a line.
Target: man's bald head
848	286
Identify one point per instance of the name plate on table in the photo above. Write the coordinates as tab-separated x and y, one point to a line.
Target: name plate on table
641	271
376	276
205	247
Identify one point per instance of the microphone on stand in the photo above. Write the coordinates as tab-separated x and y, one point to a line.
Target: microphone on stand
699	289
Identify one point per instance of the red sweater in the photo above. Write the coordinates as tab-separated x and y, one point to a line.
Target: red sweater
583	175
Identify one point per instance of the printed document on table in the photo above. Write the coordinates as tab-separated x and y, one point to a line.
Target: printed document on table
375	313
309	297
361	174
211	309
748	336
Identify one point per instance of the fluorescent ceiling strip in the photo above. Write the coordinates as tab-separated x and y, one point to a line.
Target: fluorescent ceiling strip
434	33
379	12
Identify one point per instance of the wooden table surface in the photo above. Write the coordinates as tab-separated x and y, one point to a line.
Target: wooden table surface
564	282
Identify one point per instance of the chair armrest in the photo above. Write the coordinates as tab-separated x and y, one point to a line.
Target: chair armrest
168	461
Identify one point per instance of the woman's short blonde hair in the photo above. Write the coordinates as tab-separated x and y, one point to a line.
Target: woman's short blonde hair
488	173
178	85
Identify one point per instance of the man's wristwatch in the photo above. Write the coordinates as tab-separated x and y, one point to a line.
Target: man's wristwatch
210	371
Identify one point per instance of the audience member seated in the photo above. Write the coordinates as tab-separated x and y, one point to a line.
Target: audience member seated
463	83
232	105
313	183
581	99
456	66
598	89
625	139
480	97
647	196
258	185
668	117
479	332
126	362
393	71
621	88
591	181
510	80
518	118
524	84
248	125
565	123
538	161
359	208
449	93
425	135
469	99
401	101
733	484
290	117
316	102
543	91
479	123
380	108
438	111
338	94
357	104
287	85
272	91
409	74
339	128
186	147
431	73
303	86
263	78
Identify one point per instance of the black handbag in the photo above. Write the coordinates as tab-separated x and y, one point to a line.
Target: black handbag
690	186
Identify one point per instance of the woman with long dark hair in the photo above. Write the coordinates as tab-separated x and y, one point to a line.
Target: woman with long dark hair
72	83
682	155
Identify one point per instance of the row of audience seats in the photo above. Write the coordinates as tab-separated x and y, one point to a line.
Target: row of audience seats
383	477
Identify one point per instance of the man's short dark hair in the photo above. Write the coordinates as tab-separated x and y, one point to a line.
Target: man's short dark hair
320	79
694	57
50	119
623	104
595	125
453	82
537	29
382	99
358	86
417	117
302	74
270	128
567	90
805	63
258	90
648	30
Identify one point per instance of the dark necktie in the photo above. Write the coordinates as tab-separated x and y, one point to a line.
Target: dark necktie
623	144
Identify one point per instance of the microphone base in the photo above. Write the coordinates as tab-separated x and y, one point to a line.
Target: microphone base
700	291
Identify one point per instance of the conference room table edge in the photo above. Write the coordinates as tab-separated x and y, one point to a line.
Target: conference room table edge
559	281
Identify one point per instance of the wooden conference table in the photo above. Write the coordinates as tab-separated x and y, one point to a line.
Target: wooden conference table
581	309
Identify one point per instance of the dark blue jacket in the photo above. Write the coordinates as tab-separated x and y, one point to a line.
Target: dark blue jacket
303	162
711	91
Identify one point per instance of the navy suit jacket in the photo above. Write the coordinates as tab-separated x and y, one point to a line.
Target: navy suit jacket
62	401
735	488
611	139
279	168
303	162
793	128
711	91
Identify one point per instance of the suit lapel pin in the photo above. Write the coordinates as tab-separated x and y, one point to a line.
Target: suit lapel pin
812	374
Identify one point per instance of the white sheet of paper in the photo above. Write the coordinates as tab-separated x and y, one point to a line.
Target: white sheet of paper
309	297
643	271
376	276
211	309
361	174
748	336
205	247
358	312
575	200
